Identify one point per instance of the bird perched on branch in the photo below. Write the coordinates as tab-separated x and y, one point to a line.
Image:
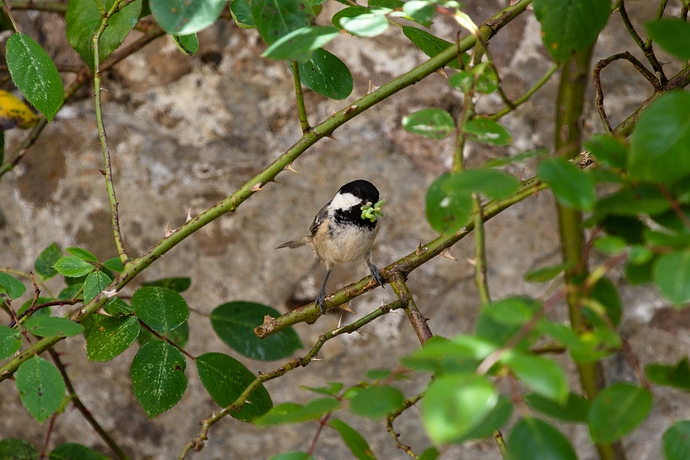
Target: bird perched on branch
344	230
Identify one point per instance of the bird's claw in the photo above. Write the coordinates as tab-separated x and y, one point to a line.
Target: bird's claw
375	273
320	298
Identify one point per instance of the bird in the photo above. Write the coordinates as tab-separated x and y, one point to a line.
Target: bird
343	230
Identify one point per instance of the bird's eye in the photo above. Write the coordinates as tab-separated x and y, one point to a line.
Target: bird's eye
356	192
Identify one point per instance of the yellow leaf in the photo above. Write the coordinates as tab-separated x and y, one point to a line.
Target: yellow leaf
15	113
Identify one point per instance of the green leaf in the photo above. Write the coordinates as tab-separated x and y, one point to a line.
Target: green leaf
430	454
519	157
114	264
158	378
111	336
676	441
365	25
242	14
72	266
176	284
332	389
40	386
357	444
349	12
489	182
274	19
604	292
225	379
498	417
499	333
434	123
70	451
610	244
609	151
48	326
294	413
96	282
326	75
419	11
46	260
11	285
84	19
487	80
188	44
377	402
544	274
512	310
672	276
617	410
16	449
487	131
35	74
672	34
184	17
660	144
70	292
447	207
462	354
234	323
83	254
541	375
643	199
570	186
162	309
575	410
431	45
677	376
456	404
179	336
298	44
10	341
569	26
534	439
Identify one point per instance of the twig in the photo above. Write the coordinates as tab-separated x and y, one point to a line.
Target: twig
322	422
301	109
34	308
416	318
390	418
646	47
527	95
480	250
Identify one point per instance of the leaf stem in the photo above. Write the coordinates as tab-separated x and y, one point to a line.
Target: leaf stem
303	121
527	95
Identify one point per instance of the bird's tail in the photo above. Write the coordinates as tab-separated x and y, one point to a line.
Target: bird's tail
296	243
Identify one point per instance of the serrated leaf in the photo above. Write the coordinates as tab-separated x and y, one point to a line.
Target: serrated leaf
83	20
176	284
672	34
672	276
570	186
35	74
298	44
73	451
275	19
11	285
326	75
114	264
295	413
184	17
487	131
10	341
72	266
45	261
162	309
188	44
179	336
48	326
14	114
95	282
12	449
534	439
543	376
365	25
234	323
569	26
40	386
433	122
83	254
676	441
486	80
432	45
158	378
376	402
111	336
242	14
617	410
225	379
575	410
512	310
660	144
357	444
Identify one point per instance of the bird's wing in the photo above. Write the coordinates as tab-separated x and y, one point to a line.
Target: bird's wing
319	219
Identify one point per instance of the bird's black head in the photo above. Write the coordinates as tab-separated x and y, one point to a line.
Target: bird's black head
362	189
347	203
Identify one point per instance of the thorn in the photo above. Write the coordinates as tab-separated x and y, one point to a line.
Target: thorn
350	109
189	216
256	187
346	307
101	171
290	168
331	136
104	89
441	72
446	253
420	250
472	262
340	320
267	319
522	175
110	294
274	180
359	332
168	232
317	359
332	111
372	88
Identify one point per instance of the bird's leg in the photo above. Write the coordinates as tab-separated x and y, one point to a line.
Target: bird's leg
322	293
374	271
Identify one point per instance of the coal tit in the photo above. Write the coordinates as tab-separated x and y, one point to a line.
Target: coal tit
341	232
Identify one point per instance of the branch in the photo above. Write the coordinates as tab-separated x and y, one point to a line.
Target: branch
416	319
527	95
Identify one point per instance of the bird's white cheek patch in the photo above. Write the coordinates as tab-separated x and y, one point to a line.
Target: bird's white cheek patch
344	201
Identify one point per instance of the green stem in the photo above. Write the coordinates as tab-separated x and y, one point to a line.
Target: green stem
230	204
6	7
480	250
527	95
413	314
304	123
498	436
